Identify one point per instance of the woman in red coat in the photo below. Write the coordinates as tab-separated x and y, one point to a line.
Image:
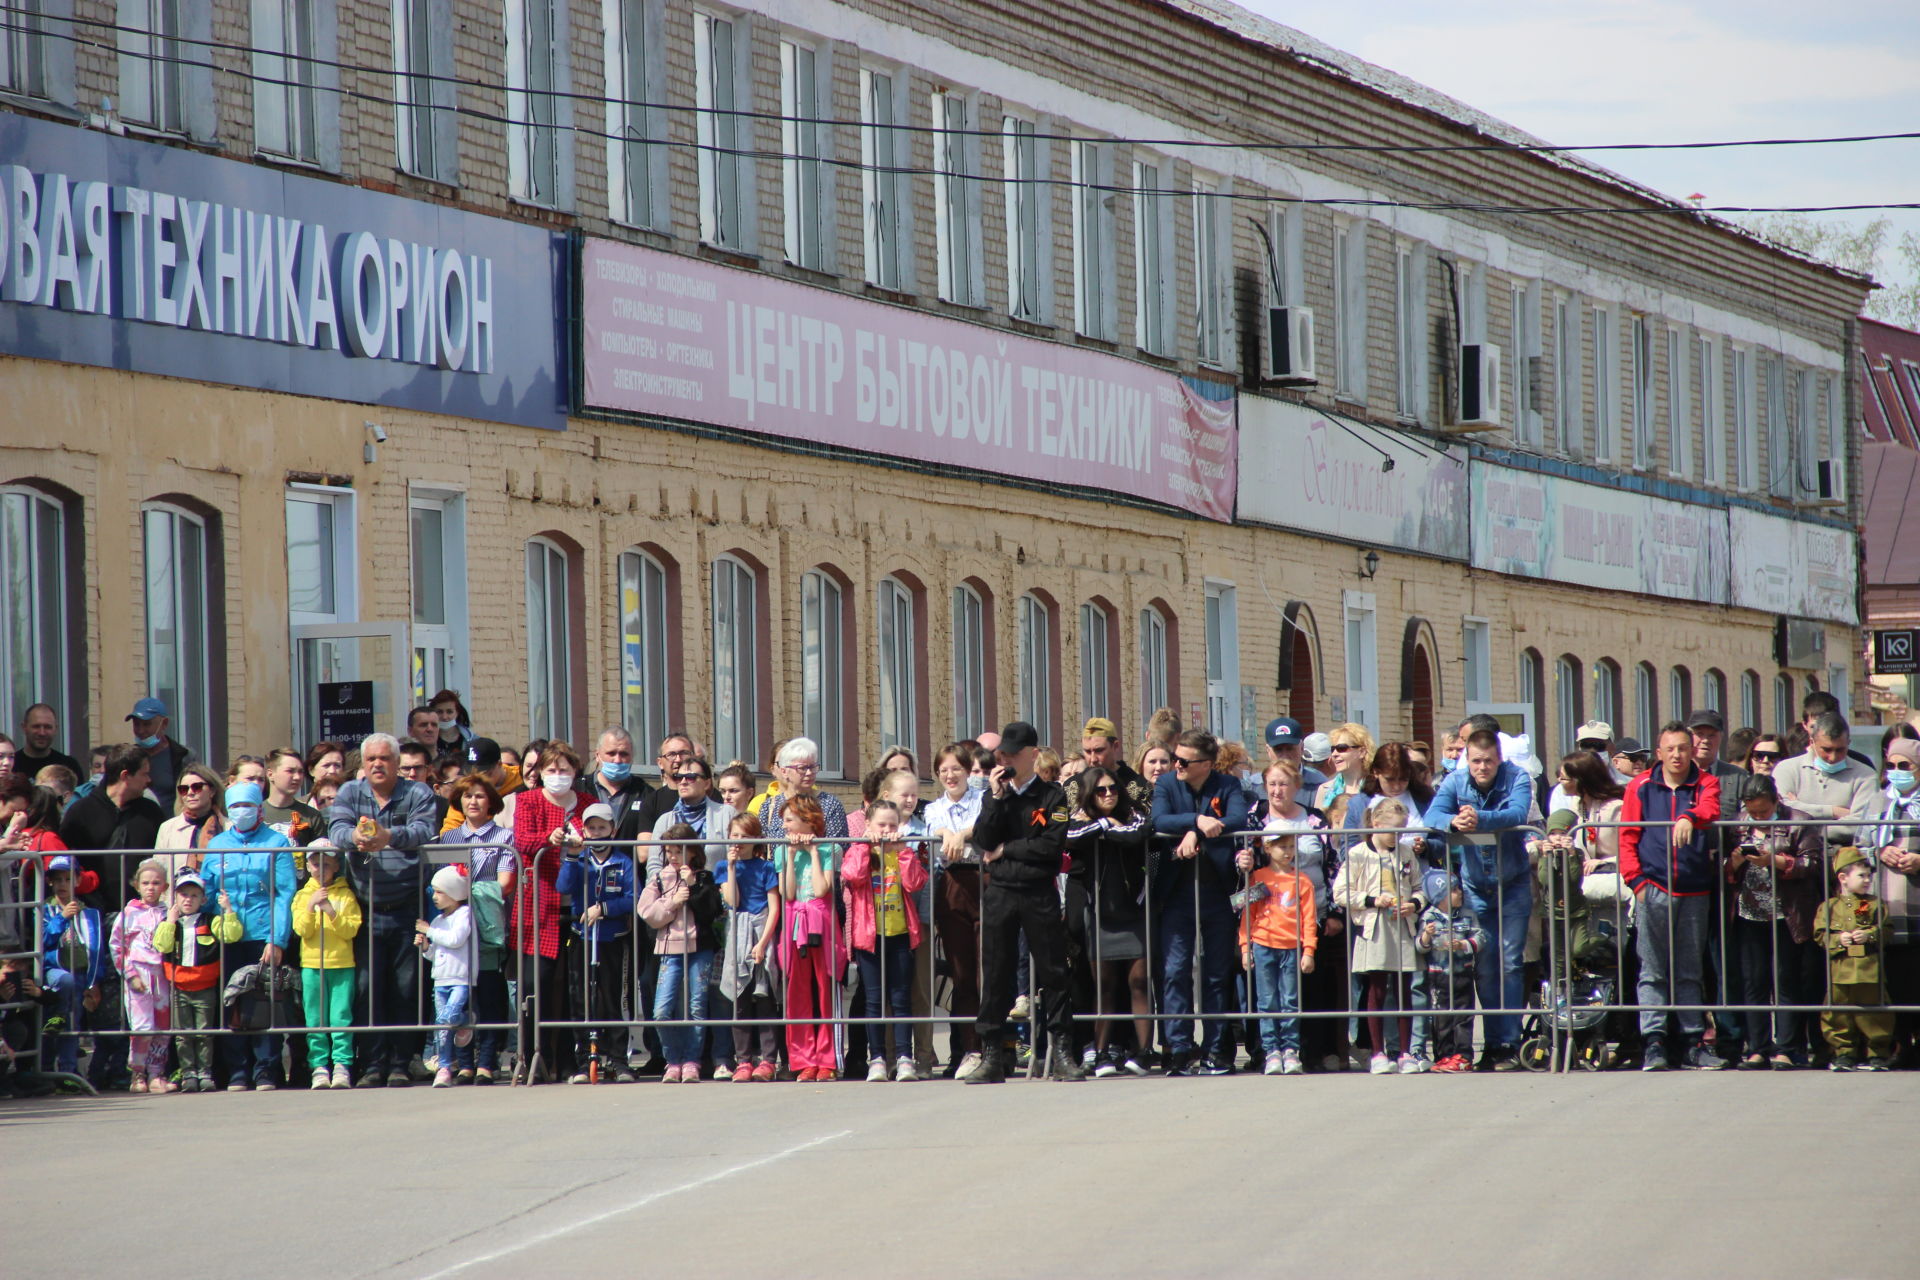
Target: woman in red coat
546	822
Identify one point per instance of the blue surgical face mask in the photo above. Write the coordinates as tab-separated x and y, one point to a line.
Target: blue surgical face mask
616	771
1449	763
976	782
245	817
1832	768
1900	779
148	743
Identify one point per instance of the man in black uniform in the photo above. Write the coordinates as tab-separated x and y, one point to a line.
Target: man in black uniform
1023	830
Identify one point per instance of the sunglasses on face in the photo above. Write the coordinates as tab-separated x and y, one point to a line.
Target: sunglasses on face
1106	791
191	788
689	777
1768	755
1343	746
1181	762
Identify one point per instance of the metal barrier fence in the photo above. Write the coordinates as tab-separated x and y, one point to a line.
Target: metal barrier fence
1166	958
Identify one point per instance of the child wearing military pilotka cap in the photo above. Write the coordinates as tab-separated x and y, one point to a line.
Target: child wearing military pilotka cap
1851	926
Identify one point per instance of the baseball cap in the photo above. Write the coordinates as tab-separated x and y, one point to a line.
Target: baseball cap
1283	732
1628	747
147	709
1018	736
482	753
1594	731
60	864
322	848
1316	747
189	880
601	811
1099	727
1707	718
1437	884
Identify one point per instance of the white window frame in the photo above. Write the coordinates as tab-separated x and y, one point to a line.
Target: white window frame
1740	408
1646	703
897	641
886	151
646	615
450	634
956	198
804	183
25	50
969	663
1035	664
1713	429
296	103
549	634
1568	714
635	60
1212	264
1286	274
1606	693
1783	708
1773	372
1713	690
1096	634
736	659
1679	404
539	112
1025	167
1093	237
1409	331
1350	309
1750	699
1606	382
1568	409
426	128
1476	656
1680	692
1153	280
1222	605
725	181
1641	338
166	81
40	615
1832	443
823	655
346	557
1156	672
1525	300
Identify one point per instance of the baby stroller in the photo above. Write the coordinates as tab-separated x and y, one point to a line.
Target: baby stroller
1581	961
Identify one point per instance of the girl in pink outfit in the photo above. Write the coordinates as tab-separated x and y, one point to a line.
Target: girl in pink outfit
149	996
878	879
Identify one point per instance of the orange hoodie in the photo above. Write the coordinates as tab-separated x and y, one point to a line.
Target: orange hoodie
1284	919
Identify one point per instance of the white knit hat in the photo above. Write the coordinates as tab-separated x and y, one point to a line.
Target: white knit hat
452	881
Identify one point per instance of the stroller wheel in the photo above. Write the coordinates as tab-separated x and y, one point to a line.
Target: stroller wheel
1535	1053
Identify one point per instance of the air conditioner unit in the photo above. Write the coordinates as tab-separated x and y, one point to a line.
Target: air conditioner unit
1801	645
1290	346
1826	490
1479	407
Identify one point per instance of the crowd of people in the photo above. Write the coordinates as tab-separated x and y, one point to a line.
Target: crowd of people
440	907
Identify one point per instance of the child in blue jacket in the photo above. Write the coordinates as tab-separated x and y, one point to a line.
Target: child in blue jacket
597	882
76	960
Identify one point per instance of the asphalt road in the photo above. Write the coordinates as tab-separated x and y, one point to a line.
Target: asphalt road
1801	1175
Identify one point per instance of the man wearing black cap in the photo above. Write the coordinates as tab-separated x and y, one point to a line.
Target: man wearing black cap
1284	739
1022	829
1630	760
482	756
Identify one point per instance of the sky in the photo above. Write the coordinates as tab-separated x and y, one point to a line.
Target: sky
1671	71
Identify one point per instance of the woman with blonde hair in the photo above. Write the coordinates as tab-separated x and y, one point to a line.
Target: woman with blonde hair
199	814
1347	766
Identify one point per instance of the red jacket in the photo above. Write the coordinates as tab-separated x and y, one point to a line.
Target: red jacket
1647	855
856	886
540	914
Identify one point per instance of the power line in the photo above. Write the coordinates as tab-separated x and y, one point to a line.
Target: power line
628	137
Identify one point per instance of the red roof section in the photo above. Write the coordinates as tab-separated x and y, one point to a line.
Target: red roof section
1890	390
1892	483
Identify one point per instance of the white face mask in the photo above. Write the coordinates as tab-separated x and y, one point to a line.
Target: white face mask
557	784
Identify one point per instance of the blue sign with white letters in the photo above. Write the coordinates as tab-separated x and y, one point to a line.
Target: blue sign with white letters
156	259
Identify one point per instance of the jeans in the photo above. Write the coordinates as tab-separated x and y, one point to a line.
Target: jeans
1219	950
1670	968
887	1040
1776	969
681	995
1503	911
450	1010
67	1044
387	966
489	1005
1276	980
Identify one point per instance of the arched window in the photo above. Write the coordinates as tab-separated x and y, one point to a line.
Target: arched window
649	644
1533	690
1159	658
1606	694
183	632
1039	667
824	627
736	661
1099	661
1750	699
1680	693
39	620
1568	690
972	659
897	631
549	640
1646	705
1713	691
1783	704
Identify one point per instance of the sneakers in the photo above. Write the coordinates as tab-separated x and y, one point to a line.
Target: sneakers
1022	1009
689	1073
1415	1064
1276	1063
743	1076
968	1065
1783	1062
1701	1058
264	1084
483	1076
905	1070
1844	1062
399	1080
1216	1064
189	1084
762	1074
624	1075
1290	1064
1180	1063
322	1079
374	1079
580	1077
1106	1066
721	1071
876	1070
464	1076
1876	1064
1655	1058
443	1079
1453	1064
985	1070
1382	1065
1333	1064
341	1078
1133	1066
238	1086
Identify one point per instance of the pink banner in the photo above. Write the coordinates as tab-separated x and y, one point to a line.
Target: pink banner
679	338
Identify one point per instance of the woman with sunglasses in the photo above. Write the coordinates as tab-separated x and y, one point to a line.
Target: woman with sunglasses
1347	766
1767	751
198	816
1106	912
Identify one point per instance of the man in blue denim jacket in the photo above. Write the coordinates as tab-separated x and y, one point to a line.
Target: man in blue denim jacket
1480	808
1202	808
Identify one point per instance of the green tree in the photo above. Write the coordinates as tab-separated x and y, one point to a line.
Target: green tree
1857	248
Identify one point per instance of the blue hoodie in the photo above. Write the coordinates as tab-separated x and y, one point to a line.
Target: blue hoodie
1502	806
86	927
256	871
585	881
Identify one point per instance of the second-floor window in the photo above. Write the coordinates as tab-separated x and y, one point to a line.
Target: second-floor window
536	79
1029	273
802	144
286	97
24	48
1092	241
1152	257
956	205
636	162
426	129
885	153
718	132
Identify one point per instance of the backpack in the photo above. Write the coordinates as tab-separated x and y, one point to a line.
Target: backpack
489	922
260	997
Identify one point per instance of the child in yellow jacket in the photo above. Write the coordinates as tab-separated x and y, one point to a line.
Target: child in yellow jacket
326	915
